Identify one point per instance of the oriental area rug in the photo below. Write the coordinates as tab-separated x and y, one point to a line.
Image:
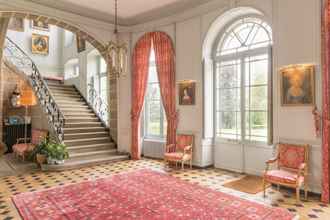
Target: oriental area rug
142	194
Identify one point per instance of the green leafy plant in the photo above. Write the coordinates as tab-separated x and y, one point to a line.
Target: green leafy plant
57	151
39	149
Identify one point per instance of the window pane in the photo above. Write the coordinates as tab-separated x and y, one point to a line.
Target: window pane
256	126
229	125
256	70
153	118
103	65
256	98
153	91
229	74
229	99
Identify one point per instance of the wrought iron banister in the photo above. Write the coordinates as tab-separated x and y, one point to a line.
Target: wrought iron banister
18	58
99	105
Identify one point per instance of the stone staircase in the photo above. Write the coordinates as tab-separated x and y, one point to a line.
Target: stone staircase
87	138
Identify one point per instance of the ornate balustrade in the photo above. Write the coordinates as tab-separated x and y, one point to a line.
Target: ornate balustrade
18	58
99	105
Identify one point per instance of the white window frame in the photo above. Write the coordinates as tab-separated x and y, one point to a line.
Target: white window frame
162	135
217	59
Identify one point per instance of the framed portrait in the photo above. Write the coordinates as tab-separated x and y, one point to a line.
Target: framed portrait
81	44
40	44
16	24
187	92
40	25
298	85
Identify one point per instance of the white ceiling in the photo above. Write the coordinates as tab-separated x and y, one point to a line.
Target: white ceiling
129	11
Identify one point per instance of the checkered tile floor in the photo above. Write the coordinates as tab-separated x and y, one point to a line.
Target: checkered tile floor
212	178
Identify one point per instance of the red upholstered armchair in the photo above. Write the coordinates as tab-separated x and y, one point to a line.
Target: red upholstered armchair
22	149
181	151
292	168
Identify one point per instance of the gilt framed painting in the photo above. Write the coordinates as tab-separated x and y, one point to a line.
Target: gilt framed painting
187	92
298	85
40	25
16	24
40	44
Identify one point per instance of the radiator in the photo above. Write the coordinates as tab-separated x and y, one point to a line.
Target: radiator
153	148
12	132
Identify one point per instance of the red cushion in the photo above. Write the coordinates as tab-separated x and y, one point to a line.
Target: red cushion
174	156
37	136
291	156
22	148
282	176
183	141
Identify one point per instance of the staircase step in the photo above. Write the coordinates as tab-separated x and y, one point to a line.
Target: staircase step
70	102
84	130
92	148
85	135
50	84
86	119
83	124
65	89
71	96
65	92
76	110
92	153
78	115
87	141
64	98
78	162
64	105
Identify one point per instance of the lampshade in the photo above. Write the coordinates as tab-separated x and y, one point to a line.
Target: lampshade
27	97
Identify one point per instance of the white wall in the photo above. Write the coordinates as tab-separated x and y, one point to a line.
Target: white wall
48	65
296	40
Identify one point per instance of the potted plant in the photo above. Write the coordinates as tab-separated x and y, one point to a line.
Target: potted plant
56	153
39	153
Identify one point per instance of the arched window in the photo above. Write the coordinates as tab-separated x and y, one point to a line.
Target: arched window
242	62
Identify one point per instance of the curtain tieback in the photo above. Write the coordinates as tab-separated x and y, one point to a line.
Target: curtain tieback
327	123
173	116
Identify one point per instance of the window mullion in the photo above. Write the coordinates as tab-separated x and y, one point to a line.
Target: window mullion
242	99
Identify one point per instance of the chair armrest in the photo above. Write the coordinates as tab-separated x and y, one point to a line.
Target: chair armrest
170	148
187	148
272	160
302	169
20	140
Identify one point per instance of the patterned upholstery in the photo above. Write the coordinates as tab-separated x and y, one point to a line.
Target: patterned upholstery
21	149
181	151
283	176
291	156
292	161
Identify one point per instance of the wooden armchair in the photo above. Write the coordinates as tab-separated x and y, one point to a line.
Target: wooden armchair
182	151
292	168
22	147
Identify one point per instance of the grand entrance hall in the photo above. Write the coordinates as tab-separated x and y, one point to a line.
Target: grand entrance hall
174	109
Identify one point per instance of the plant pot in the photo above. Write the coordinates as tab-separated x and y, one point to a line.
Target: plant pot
41	159
53	161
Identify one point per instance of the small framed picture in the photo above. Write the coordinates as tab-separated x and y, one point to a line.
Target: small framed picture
40	44
187	92
298	85
16	24
81	44
40	25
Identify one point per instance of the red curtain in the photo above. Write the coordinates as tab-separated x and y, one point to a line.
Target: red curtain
326	100
141	56
165	63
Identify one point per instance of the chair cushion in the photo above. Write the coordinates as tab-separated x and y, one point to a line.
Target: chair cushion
291	156
22	148
283	176
174	156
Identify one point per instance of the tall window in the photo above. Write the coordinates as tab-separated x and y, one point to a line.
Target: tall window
103	79
154	116
243	81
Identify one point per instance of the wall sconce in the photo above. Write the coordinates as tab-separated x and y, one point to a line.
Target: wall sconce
15	98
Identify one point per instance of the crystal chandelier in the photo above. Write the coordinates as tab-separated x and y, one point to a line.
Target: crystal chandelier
117	52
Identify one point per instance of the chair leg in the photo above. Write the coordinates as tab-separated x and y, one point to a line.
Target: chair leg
264	186
182	165
278	187
306	191
298	195
191	164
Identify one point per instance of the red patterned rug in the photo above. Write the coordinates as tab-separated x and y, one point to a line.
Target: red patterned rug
142	194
